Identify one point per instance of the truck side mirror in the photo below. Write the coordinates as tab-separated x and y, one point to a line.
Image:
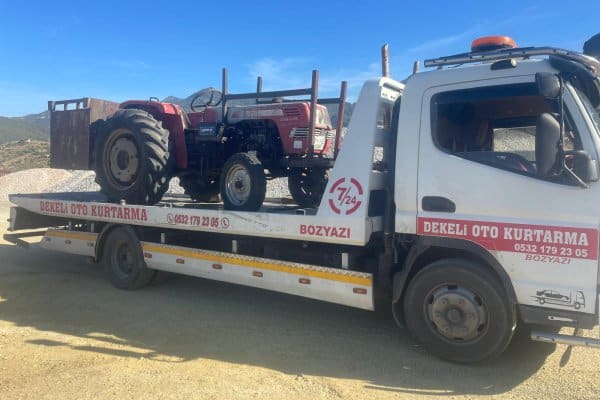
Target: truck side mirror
583	165
548	85
547	137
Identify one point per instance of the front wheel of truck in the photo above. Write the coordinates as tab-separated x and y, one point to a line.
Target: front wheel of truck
459	311
131	158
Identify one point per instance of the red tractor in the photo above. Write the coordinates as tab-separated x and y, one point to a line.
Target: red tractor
217	150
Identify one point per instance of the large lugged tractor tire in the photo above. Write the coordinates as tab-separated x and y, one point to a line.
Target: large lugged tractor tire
307	185
243	183
131	158
459	311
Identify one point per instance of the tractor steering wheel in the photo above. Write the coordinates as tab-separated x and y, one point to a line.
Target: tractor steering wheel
211	102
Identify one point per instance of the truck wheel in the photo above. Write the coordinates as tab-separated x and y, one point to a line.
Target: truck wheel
123	260
307	185
243	183
458	311
131	158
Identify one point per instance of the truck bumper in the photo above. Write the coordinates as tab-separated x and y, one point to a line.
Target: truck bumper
533	315
565	339
570	340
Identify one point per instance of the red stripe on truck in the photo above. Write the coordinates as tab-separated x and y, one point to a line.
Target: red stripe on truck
557	241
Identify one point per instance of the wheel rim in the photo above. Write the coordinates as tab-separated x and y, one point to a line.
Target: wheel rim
237	185
124	260
457	314
123	160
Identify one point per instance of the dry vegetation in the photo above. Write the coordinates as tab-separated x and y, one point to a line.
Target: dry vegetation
23	154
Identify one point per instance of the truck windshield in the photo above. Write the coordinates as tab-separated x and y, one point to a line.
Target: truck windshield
594	113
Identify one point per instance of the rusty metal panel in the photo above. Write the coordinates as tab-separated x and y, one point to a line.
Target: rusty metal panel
70	122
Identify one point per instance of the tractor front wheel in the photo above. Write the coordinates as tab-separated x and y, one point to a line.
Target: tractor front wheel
243	183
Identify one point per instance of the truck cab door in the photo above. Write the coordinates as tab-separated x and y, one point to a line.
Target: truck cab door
478	182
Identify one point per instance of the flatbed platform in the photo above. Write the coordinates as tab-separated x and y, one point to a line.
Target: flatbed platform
274	219
61	215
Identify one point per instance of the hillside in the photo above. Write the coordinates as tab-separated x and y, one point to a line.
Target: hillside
23	154
34	126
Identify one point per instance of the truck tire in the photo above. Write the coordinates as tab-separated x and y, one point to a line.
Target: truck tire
131	158
458	310
307	185
243	183
123	260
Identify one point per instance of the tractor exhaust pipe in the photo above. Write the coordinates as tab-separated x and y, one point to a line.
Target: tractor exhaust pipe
385	61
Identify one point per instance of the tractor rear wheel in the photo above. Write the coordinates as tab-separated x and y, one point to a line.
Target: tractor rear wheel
243	183
307	185
131	158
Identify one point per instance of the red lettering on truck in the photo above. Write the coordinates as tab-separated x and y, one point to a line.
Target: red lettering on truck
557	241
119	212
53	207
124	213
325	231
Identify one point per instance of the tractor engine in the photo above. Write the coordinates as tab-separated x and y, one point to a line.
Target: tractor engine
205	148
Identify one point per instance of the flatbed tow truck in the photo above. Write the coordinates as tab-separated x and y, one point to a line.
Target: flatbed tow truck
462	191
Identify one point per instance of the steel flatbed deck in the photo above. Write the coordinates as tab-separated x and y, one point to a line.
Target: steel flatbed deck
75	223
273	220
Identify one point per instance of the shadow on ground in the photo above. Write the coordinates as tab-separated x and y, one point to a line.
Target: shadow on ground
187	318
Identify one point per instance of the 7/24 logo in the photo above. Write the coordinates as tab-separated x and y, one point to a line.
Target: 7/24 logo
346	196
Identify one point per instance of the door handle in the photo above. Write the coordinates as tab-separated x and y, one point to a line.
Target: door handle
438	204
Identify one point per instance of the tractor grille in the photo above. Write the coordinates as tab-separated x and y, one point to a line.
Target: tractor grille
291	111
303	132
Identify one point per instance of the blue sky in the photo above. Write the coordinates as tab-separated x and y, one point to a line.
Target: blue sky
119	50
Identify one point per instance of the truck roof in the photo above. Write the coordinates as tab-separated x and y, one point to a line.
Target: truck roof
501	62
478	71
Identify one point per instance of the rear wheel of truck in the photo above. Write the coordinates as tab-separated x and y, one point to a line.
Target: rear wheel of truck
123	260
243	183
458	310
307	185
131	158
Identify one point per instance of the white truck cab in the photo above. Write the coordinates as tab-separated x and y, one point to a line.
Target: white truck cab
506	174
470	191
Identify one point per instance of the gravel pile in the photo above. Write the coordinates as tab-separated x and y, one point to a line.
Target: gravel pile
32	181
57	180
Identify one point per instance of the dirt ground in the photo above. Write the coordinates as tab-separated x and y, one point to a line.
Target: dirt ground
66	333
